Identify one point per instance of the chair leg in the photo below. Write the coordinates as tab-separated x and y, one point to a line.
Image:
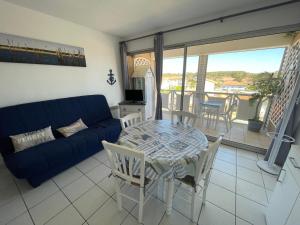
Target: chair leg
230	122
141	204
217	119
119	197
170	193
164	191
160	189
206	182
208	120
193	206
226	123
202	117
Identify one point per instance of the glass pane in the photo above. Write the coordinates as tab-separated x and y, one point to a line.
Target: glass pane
191	72
191	78
171	85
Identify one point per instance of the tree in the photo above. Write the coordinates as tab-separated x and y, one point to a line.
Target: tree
266	86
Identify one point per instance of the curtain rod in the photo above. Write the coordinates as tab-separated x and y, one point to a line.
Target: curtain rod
221	19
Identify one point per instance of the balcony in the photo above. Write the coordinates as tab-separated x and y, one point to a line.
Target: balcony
236	133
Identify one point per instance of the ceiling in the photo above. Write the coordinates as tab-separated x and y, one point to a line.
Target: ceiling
126	18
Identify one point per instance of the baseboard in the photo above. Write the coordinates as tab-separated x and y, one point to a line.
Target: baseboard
239	145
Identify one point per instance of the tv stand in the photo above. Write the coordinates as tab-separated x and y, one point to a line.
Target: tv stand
128	107
132	103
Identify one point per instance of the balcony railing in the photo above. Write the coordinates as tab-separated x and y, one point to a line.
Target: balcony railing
242	110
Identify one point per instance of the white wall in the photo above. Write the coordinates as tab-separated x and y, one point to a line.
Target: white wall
276	17
21	83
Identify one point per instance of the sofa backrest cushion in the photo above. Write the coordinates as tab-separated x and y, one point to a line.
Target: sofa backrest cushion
57	113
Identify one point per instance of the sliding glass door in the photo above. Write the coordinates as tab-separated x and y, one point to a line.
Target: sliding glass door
180	79
221	72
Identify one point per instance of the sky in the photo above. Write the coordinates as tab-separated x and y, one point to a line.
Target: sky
256	61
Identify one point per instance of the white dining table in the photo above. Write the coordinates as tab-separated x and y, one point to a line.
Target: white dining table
168	149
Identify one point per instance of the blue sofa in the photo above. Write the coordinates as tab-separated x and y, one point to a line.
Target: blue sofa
41	162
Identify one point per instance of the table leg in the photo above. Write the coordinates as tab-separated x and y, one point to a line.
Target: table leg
170	191
218	117
208	119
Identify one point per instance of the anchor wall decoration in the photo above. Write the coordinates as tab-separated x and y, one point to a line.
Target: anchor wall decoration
111	80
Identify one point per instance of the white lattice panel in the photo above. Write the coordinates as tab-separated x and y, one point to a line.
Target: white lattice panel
140	61
290	74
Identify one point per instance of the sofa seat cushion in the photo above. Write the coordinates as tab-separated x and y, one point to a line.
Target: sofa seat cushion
86	142
109	123
30	161
111	129
46	156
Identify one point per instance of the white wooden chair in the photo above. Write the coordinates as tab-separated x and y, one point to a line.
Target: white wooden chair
165	99
199	99
125	162
226	114
186	101
202	172
186	118
131	120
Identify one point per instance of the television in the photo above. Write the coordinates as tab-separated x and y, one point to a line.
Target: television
134	95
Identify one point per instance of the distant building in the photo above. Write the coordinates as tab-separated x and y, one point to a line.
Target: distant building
170	82
232	85
209	85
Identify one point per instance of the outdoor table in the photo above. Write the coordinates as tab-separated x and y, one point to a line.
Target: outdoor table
213	108
168	149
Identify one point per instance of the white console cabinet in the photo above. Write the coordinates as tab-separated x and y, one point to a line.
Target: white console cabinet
115	111
284	206
126	109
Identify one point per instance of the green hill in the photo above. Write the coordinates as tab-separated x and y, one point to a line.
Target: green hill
219	77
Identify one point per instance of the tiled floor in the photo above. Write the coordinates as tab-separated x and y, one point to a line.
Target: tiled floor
237	133
237	195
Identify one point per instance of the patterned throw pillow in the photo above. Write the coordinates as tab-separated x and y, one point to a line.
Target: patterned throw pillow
30	139
72	128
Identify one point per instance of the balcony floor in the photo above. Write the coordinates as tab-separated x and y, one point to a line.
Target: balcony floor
237	133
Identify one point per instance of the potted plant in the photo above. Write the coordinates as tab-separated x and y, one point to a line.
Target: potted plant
266	86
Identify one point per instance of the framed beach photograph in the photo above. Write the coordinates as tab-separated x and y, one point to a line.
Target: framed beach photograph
17	49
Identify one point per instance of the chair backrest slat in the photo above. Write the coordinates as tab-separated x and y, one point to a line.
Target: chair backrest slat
131	120
185	118
130	167
123	159
123	162
117	162
234	101
206	160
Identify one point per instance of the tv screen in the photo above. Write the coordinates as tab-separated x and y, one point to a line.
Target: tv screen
134	95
